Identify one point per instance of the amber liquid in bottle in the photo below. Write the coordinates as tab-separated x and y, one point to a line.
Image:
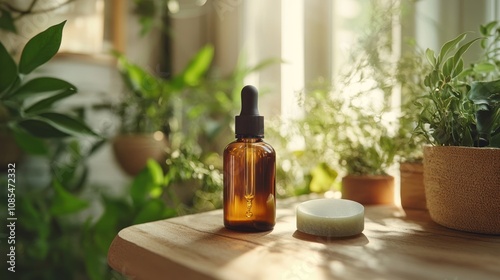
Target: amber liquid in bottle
249	171
249	185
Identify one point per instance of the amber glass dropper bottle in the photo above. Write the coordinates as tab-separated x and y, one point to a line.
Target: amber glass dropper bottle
249	171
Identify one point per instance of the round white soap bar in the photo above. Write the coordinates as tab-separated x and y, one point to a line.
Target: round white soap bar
331	217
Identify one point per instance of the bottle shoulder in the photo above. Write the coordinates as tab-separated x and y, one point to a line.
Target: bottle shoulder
258	145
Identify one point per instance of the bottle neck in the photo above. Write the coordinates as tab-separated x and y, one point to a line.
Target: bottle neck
247	139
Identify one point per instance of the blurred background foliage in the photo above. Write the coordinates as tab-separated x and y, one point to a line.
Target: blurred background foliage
66	224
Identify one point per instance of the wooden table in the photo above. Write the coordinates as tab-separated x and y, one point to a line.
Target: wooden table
394	245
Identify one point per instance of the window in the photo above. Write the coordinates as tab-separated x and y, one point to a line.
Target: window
313	38
93	27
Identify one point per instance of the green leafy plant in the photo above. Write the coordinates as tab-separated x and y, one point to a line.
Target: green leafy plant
26	106
150	102
349	125
46	240
370	150
462	105
62	233
486	99
49	230
59	235
358	138
410	74
150	197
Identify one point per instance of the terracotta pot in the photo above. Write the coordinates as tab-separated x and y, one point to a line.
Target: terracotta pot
412	185
9	150
462	187
132	151
368	189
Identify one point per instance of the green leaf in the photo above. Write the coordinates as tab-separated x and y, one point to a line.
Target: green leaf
64	202
495	141
486	97
458	68
197	67
140	187
29	143
31	215
40	128
482	30
463	49
34	219
139	80
147	181
67	124
434	77
427	81
93	262
42	85
151	211
465	73
467	139
117	214
323	177
157	177
483	43
6	21
431	58
146	11
45	104
41	48
9	69
484	122
486	29
147	23
448	66
105	229
449	46
96	146
109	219
485	93
155	171
484	67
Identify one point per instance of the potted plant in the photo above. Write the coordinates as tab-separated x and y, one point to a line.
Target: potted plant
410	76
348	125
410	154
366	144
340	137
26	113
461	120
366	149
148	108
412	189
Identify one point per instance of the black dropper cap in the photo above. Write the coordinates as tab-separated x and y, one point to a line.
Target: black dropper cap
249	124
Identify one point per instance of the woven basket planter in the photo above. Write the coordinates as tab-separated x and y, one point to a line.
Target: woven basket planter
462	187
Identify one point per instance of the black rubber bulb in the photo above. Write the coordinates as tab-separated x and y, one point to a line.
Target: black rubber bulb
249	124
249	101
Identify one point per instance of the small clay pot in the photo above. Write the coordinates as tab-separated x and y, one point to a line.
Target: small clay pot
412	185
368	189
133	151
462	187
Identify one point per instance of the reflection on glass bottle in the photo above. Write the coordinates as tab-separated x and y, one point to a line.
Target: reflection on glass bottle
249	172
